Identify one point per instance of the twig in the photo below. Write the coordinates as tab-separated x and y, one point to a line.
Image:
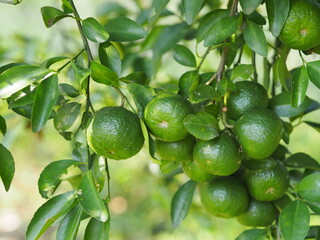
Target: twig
203	58
67	63
255	75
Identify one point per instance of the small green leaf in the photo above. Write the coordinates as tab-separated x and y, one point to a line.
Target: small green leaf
255	38
136	77
69	226
242	72
110	57
188	82
48	213
99	173
257	18
16	78
93	30
97	230
169	167
314	72
156	9
90	200
202	125
7	168
221	30
309	188
253	234
181	202
191	9
50	180
314	125
281	72
46	97
277	14
248	6
80	73
300	81
47	63
226	85
184	56
202	93
124	29
26	99
66	116
3	125
302	160
69	90
51	15
13	2
294	221
104	75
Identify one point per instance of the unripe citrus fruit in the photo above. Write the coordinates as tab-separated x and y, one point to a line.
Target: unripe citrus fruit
164	114
115	132
195	173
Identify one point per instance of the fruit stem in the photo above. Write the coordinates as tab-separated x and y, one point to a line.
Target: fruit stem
224	117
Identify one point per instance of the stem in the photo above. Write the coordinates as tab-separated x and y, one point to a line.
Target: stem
67	63
203	58
303	61
255	75
108	178
123	97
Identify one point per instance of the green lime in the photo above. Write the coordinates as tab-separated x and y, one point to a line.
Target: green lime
219	156
196	174
224	197
259	214
302	29
115	132
164	114
250	95
176	151
267	184
259	132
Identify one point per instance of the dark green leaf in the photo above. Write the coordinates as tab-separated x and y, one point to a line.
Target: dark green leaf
300	81
309	188
277	15
294	221
97	230
80	73
265	163
24	111
110	57
51	15
66	116
253	234
242	72
48	213
93	30
69	90
104	75
3	125
221	30
184	56
313	233
314	72
191	9
287	131
302	160
66	135
50	180
90	200
226	85
181	202
16	78
257	18
282	202
136	77
156	9
202	125
248	6
314	125
208	21
47	63
255	38
188	82
7	168
69	226
124	29
203	92
46	97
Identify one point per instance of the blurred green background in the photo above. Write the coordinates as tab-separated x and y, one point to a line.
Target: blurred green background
141	195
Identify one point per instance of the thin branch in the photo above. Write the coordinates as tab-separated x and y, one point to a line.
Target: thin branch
67	63
255	74
203	58
108	178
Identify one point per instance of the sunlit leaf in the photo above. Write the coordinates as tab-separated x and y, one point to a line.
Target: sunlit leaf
7	168
104	75
191	9
110	57
248	6
156	9
66	116
47	63
188	82
314	72
277	15
94	31
242	72
184	56
309	188
51	15
255	38
203	92
253	234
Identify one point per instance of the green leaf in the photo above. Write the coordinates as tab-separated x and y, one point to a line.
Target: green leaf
202	125
265	163
90	200
242	72
3	125
169	167
110	57
124	29
51	15
202	93
314	72
277	14
309	188
141	95
97	230
181	202
13	2
104	75
221	30
99	173
300	81
26	99
226	85
248	6
47	63
255	38
257	18
80	74
69	226
294	221
184	56
136	77
253	234
46	97
314	125
49	179
191	9
208	21
7	168
302	160
16	78
281	72
188	82
10	65
48	213
156	9
94	31
66	116
69	90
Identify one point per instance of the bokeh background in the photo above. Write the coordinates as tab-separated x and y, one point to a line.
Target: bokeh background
141	195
